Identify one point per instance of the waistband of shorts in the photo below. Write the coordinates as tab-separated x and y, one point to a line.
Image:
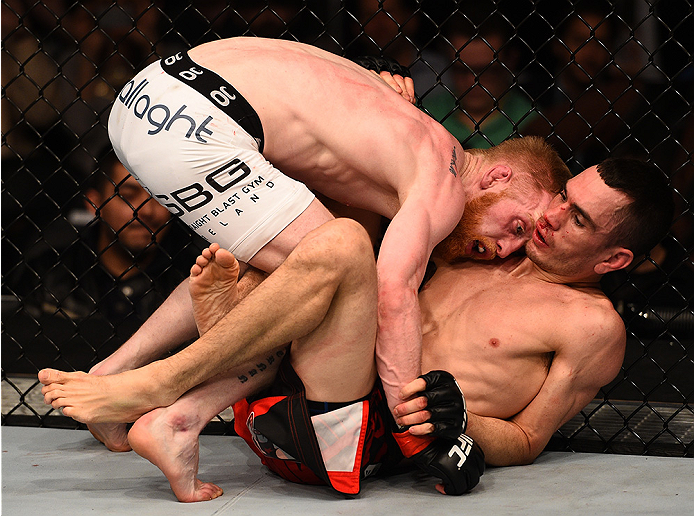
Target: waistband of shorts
323	407
216	89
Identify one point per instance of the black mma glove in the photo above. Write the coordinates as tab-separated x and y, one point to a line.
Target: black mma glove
379	64
446	403
458	463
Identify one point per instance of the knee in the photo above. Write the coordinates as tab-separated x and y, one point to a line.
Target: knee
347	240
341	244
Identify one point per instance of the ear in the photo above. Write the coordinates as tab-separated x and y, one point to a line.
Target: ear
619	259
93	200
497	174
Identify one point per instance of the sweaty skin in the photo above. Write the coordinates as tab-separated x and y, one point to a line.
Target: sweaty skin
168	437
534	338
414	175
530	345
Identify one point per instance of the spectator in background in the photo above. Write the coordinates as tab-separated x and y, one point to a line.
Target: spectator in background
483	106
35	140
592	105
61	65
590	113
109	41
394	28
106	282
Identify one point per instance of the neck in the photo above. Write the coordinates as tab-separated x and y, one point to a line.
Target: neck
580	282
469	174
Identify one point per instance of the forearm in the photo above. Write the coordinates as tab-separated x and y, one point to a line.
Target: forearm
399	347
504	442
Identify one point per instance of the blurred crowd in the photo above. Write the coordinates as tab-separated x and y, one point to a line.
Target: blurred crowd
593	78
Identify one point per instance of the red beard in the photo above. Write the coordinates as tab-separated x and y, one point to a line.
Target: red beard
466	235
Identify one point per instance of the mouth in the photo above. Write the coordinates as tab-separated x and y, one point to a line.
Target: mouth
537	236
478	250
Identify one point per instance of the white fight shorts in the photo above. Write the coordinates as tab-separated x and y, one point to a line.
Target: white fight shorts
194	143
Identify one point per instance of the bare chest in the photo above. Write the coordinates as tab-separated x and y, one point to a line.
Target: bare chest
495	338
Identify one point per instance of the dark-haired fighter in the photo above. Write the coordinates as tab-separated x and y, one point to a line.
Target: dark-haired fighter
529	340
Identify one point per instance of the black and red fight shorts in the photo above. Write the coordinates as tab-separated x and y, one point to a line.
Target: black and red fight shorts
317	443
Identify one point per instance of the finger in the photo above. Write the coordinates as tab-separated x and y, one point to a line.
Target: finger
406	85
409	88
441	489
413	388
390	80
415	418
411	406
423	429
399	79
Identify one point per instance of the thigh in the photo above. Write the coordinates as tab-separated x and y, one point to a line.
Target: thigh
271	255
336	361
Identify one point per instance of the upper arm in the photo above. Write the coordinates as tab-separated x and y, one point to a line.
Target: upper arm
420	224
587	360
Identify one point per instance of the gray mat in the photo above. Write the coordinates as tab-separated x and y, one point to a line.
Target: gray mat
66	472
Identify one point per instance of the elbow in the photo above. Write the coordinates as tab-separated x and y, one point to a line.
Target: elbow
530	451
395	297
518	451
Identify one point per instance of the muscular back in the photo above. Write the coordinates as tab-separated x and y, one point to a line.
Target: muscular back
500	329
333	125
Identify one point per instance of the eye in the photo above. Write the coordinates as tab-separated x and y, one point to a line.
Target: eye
520	230
577	221
562	194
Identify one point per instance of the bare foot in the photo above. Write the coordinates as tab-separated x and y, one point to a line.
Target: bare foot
171	444
168	437
114	398
213	286
113	435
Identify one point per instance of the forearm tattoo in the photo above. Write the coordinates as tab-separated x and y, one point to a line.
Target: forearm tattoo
261	366
454	162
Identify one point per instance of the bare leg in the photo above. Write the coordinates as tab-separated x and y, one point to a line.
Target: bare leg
155	336
291	303
115	435
168	437
171	325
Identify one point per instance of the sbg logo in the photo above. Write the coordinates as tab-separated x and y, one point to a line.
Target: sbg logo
196	196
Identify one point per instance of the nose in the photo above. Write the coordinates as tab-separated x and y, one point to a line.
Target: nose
553	216
506	246
151	213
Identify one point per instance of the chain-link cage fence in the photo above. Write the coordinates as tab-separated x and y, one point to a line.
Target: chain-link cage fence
86	258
